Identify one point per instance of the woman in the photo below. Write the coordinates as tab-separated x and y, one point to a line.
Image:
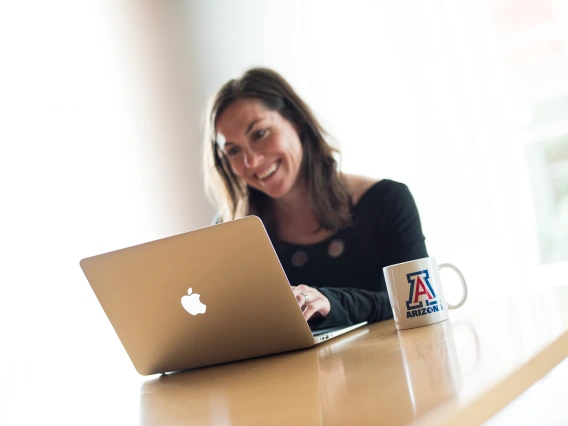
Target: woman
267	155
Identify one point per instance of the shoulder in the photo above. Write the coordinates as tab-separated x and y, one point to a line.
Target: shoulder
362	187
358	185
386	195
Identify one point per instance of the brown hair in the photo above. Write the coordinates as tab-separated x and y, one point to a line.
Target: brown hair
327	190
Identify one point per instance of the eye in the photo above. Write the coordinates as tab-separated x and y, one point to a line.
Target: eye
233	150
259	134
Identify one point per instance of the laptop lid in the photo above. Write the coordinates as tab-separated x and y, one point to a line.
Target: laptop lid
204	297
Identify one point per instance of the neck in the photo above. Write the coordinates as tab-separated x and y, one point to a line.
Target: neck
294	210
294	204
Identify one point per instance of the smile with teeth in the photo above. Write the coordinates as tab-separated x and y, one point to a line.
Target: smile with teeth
268	172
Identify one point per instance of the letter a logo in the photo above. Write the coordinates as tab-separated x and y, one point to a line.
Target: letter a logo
420	290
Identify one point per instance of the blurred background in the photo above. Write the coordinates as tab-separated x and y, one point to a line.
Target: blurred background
102	107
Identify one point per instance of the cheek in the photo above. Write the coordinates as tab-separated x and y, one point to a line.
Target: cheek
237	167
293	149
298	154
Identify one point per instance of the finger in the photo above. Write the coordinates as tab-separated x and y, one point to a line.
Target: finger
311	310
301	299
301	288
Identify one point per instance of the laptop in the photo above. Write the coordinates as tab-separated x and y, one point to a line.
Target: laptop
205	297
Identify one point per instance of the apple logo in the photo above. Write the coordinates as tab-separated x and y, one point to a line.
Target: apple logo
192	304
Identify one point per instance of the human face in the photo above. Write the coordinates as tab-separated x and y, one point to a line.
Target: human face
263	148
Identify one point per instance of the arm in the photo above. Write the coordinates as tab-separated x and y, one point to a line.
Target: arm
399	236
353	305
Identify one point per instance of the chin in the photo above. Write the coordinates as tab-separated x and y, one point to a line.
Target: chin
274	192
278	193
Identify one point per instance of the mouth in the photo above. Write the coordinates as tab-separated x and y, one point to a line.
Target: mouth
269	171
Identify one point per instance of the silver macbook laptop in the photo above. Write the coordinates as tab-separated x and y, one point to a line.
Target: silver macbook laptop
205	297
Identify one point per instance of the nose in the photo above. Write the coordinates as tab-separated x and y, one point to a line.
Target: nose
252	159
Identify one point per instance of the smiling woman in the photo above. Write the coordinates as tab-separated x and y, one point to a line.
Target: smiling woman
266	154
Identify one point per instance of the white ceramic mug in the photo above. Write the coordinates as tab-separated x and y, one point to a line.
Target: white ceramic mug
416	294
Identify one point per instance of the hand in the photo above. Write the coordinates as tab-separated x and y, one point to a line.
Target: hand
317	305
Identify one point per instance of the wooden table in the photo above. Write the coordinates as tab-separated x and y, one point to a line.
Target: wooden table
462	371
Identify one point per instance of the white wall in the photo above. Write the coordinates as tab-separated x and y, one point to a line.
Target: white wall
94	156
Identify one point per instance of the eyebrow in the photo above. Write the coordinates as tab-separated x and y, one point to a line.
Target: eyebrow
252	124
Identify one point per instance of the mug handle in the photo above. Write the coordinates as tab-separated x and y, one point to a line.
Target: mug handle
462	279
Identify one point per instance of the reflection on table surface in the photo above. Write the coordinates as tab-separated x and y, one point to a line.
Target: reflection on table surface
462	371
241	393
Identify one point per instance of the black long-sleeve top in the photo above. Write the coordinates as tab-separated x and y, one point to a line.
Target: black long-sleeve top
348	266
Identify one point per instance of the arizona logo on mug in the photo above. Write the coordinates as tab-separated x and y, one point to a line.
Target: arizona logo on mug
415	292
422	297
